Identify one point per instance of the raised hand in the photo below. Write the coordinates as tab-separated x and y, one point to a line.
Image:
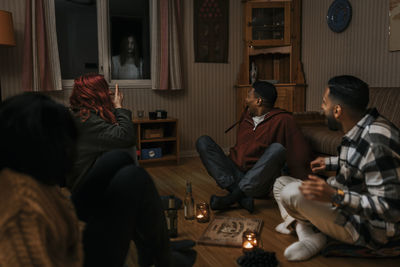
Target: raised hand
118	97
317	189
318	165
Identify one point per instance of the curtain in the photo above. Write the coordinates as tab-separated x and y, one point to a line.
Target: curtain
41	66
166	36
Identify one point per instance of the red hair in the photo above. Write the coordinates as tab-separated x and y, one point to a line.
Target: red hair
91	93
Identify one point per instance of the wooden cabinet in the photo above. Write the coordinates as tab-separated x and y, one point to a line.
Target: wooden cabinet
267	23
157	136
272	44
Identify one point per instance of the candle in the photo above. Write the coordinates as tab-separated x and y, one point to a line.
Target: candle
247	244
249	241
202	212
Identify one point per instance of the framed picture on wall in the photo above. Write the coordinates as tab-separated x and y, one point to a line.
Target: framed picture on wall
211	30
394	29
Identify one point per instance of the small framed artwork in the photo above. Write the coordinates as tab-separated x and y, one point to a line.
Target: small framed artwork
394	29
211	30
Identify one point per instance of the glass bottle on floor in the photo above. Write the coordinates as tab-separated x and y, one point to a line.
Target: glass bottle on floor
189	202
172	217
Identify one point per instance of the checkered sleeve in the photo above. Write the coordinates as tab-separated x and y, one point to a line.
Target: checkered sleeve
381	167
331	163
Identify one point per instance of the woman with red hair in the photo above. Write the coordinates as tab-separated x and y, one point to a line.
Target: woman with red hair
116	198
102	122
91	93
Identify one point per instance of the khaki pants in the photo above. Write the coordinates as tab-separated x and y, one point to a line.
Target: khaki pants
293	206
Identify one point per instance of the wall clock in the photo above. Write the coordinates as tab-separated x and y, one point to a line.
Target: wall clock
339	15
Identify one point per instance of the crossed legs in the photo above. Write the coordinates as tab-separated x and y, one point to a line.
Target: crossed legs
306	213
256	182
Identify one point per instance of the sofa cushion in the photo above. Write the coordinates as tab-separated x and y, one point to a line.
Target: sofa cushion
324	141
386	101
321	139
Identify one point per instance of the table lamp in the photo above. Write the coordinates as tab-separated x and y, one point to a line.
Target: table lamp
6	32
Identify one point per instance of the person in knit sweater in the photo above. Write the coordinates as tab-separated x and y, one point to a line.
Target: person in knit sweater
267	138
38	225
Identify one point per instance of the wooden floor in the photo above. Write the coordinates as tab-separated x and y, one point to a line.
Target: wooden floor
170	179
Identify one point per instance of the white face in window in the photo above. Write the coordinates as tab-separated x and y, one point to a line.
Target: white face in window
131	45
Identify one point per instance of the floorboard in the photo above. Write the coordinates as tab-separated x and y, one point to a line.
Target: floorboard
171	179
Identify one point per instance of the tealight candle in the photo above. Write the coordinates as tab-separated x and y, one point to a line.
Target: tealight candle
247	245
202	212
249	241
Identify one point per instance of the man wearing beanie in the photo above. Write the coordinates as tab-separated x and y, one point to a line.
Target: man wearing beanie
267	139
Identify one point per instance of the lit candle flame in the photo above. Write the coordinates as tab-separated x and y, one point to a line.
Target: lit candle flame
247	244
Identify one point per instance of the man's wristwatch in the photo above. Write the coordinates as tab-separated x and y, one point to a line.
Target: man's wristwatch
338	197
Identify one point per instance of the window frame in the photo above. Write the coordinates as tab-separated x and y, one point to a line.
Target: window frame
104	56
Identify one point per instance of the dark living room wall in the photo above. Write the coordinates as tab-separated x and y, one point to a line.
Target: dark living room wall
361	50
207	105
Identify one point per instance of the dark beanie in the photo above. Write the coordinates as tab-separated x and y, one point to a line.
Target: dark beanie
266	90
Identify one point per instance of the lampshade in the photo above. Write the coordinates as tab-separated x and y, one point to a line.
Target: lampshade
6	29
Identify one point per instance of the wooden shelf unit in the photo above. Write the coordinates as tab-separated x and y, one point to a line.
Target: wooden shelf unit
272	42
169	142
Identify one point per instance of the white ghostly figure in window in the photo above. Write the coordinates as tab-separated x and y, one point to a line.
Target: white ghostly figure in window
128	64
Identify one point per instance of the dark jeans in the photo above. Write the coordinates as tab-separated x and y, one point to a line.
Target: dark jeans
256	182
119	203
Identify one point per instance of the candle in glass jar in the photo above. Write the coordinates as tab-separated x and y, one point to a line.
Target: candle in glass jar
249	241
247	244
202	212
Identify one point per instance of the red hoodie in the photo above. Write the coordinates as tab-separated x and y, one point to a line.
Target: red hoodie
278	126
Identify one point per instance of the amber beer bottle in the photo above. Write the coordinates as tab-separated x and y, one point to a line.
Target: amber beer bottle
172	217
189	202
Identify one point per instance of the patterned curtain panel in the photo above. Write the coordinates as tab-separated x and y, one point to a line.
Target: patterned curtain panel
166	36
41	66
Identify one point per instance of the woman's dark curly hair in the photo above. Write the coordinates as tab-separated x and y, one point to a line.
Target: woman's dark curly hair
37	137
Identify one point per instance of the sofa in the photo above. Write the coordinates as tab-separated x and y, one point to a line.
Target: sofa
325	142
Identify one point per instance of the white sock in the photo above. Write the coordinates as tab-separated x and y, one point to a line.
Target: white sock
306	248
304	230
283	229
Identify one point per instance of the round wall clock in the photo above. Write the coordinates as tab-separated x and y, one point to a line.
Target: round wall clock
339	15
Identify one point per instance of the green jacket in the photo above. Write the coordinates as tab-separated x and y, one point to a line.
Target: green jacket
97	136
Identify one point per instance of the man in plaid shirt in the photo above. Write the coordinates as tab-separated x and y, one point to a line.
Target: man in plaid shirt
361	204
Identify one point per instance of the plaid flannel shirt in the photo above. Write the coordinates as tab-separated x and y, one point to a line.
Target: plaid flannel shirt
368	172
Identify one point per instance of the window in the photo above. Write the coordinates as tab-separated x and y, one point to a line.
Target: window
111	37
